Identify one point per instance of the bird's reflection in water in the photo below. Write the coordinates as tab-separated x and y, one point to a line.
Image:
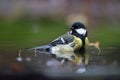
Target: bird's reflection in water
63	60
76	61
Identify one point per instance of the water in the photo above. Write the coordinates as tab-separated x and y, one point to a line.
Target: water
13	38
100	66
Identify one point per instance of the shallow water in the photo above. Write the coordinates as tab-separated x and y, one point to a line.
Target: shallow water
100	66
13	37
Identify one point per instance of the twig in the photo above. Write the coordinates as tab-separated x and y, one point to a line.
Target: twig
19	53
96	45
35	52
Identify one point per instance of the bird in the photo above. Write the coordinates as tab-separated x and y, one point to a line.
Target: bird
64	46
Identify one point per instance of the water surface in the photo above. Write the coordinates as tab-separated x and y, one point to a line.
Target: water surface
21	35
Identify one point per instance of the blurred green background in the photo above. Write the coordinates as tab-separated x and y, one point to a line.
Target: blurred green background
27	33
25	24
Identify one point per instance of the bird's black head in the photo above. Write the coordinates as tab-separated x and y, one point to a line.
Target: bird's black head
77	25
79	29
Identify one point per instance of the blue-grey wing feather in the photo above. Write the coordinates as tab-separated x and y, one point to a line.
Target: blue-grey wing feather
41	49
64	39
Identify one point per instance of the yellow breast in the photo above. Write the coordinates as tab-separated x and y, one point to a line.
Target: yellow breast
77	43
86	41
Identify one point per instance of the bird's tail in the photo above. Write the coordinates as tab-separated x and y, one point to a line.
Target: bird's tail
41	49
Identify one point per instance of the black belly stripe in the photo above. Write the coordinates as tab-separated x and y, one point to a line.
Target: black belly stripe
81	37
83	41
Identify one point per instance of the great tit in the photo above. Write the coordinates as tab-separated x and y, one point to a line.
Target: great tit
64	46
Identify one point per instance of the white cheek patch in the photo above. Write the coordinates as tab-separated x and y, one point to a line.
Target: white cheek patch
81	31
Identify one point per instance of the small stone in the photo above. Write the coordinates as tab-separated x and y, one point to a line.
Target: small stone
19	59
28	59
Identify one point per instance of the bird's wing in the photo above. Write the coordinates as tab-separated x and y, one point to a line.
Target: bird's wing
64	39
41	49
